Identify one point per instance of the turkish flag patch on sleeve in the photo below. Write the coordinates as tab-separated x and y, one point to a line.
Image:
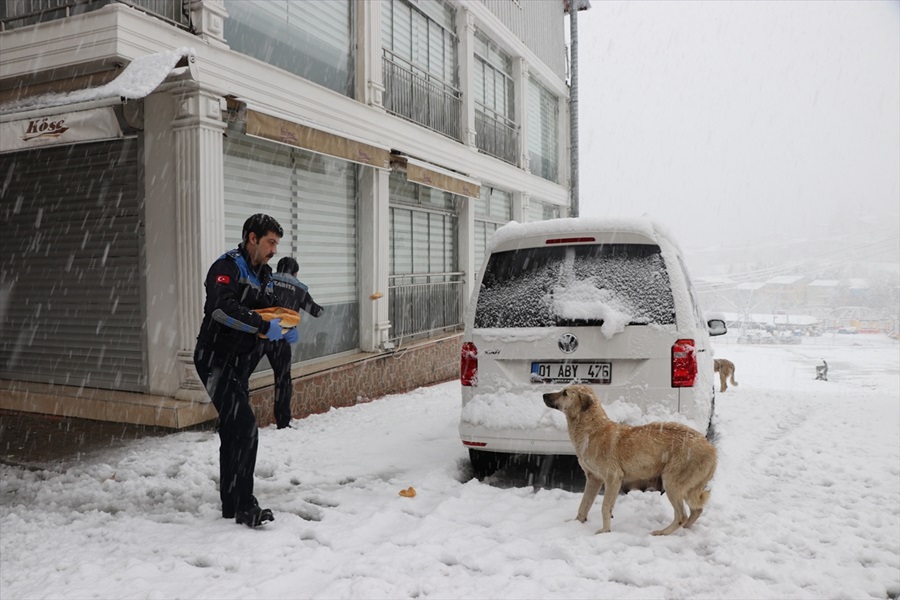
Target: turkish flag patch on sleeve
223	279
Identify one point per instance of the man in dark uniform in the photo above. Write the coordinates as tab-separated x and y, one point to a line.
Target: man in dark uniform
293	294
238	281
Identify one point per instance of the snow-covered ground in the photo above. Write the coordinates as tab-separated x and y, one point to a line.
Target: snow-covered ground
805	504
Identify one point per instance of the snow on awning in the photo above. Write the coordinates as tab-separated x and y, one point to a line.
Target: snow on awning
314	138
265	124
88	114
435	177
80	125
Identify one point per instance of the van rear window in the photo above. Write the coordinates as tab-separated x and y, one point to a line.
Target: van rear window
570	286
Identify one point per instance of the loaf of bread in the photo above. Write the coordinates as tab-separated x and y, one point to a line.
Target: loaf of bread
289	318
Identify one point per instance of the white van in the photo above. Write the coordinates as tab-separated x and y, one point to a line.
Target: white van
606	303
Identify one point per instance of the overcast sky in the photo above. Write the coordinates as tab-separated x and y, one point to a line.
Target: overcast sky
739	121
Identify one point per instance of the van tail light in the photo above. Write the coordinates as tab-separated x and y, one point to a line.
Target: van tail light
468	365
684	364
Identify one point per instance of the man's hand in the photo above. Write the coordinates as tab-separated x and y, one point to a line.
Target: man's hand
274	334
292	336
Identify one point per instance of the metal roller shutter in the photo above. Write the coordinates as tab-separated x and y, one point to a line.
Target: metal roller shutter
313	197
70	303
326	227
258	179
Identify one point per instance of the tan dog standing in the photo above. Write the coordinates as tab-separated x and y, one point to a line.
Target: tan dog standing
613	454
725	369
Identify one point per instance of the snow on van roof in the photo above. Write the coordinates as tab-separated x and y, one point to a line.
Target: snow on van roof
575	225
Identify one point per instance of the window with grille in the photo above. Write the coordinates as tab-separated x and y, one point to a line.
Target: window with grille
425	285
495	125
420	64
543	132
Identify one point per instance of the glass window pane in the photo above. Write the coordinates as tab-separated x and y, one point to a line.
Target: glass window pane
310	38
401	241
543	112
630	277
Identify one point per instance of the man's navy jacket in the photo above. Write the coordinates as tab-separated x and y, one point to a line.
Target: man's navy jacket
233	289
292	293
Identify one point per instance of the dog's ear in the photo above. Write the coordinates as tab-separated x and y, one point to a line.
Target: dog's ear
586	401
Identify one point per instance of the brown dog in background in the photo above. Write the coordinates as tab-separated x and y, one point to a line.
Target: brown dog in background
725	369
613	454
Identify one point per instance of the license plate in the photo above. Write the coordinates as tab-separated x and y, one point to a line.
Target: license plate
571	372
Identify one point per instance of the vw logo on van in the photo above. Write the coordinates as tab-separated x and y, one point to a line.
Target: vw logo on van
568	343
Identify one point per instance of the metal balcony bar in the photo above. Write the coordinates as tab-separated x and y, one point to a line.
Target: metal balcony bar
19	13
424	304
496	136
419	98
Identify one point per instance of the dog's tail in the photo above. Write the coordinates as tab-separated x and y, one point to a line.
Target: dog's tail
698	500
698	495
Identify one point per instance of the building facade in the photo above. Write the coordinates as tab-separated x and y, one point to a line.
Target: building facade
389	138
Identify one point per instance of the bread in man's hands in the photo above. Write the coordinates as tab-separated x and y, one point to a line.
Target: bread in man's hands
289	318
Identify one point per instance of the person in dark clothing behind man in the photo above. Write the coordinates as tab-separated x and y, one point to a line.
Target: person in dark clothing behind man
292	294
238	282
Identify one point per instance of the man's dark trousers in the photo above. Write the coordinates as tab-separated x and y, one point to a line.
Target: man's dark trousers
279	355
226	378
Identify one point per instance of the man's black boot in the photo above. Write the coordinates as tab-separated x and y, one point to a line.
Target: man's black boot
253	516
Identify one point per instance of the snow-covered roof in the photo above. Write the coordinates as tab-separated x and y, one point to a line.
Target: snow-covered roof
771	319
138	80
712	280
825	283
784	280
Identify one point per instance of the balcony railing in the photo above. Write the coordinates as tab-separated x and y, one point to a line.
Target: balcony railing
423	304
418	97
19	13
497	136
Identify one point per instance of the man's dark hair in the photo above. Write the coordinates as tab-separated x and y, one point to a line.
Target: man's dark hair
261	224
288	265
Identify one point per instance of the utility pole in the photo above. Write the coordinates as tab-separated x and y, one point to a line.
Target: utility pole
573	7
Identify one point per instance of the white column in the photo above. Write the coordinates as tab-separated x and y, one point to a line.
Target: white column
467	246
369	70
563	150
374	232
199	218
465	28
520	84
208	18
521	202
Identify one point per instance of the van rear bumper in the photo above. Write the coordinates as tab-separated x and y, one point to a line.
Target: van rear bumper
515	441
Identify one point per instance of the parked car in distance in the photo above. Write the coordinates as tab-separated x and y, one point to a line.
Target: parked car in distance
607	303
850	330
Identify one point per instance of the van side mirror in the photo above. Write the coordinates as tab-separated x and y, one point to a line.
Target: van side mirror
716	327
